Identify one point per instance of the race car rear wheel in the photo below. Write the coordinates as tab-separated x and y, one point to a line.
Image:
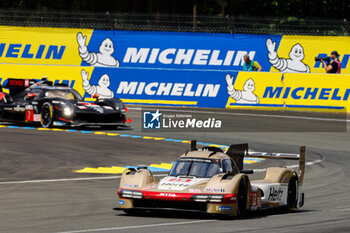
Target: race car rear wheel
242	198
292	194
47	112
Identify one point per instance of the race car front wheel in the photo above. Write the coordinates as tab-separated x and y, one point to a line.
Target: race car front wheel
242	198
47	115
292	194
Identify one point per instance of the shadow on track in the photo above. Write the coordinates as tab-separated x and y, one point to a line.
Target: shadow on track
179	214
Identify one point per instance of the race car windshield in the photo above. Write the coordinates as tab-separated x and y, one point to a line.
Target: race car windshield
64	94
196	168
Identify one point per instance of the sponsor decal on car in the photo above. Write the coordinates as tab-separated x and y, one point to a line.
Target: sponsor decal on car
167	195
194	190
216	190
121	202
82	107
149	187
224	208
19	109
173	183
131	185
275	194
182	185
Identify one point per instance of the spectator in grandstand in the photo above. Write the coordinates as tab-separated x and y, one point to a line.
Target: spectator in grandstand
334	66
250	65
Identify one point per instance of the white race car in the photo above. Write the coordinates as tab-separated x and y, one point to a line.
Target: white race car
211	181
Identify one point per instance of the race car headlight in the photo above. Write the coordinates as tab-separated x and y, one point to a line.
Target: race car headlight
207	198
216	198
130	194
67	111
200	198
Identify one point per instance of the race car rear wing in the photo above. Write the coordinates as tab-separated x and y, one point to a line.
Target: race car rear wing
239	151
18	85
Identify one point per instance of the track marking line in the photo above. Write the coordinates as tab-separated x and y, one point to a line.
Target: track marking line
57	129
339	210
113	134
65	180
188	142
140	226
100	133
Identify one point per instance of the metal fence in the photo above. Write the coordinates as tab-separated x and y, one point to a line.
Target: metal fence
163	22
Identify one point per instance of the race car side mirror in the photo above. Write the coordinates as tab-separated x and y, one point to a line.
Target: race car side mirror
95	96
31	95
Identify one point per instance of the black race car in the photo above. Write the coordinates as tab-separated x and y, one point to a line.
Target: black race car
50	105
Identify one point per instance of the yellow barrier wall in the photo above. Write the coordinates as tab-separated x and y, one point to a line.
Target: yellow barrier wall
303	92
29	45
310	47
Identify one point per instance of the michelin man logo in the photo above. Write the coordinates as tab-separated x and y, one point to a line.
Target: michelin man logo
246	96
292	65
104	58
101	89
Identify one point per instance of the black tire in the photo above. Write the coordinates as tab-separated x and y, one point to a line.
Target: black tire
47	113
242	198
292	194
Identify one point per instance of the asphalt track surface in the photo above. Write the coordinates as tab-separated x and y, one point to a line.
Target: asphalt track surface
39	192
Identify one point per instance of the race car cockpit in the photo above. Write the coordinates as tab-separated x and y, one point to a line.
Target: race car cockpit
202	168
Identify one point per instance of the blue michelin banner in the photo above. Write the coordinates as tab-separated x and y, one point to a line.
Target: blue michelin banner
197	88
217	89
168	50
173	50
158	87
